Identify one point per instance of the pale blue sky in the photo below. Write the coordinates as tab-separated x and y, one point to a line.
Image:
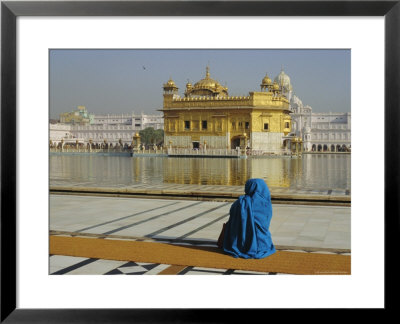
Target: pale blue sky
122	81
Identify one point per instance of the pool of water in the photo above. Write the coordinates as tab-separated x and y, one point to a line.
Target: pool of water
312	171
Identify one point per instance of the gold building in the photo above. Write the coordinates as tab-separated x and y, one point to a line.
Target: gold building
208	115
79	116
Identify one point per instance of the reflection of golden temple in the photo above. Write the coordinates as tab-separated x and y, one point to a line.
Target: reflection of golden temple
208	114
234	172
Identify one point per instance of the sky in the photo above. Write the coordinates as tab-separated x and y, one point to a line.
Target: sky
125	81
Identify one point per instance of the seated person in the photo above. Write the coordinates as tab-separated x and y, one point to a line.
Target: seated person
246	234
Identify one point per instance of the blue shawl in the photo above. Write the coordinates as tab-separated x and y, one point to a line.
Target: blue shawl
247	232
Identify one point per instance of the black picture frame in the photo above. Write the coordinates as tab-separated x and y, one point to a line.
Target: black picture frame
10	10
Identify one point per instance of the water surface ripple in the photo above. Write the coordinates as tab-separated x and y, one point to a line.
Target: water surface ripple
312	171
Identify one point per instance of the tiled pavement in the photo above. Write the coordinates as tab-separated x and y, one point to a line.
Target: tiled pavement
293	227
60	264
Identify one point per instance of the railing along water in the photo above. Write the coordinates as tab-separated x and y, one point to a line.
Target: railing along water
176	151
203	152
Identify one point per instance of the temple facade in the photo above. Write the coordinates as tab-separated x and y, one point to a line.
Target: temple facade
207	116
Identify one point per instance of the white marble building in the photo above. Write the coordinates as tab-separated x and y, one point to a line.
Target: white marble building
329	132
320	132
63	133
59	131
138	122
109	133
110	128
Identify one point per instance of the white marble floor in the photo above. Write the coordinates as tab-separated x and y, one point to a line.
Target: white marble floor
292	226
322	229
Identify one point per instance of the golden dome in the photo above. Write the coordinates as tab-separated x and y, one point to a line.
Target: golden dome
170	83
170	86
275	86
266	80
207	82
208	86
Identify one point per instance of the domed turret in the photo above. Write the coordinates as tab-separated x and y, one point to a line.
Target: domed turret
266	80
266	83
275	88
283	81
207	87
188	88
170	87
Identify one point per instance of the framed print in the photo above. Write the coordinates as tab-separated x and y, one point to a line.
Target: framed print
32	31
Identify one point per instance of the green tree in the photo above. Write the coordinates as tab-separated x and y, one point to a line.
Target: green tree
149	136
159	136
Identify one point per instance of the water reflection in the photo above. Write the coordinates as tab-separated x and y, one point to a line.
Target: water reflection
311	172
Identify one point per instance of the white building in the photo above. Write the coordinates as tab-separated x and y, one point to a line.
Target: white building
112	134
320	132
155	121
328	132
138	122
59	132
62	133
110	128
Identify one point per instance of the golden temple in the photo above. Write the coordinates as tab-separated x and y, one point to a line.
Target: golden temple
208	116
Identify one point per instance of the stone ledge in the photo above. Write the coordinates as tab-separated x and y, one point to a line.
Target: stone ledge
199	193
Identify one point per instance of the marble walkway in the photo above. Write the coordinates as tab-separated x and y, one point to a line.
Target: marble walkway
302	228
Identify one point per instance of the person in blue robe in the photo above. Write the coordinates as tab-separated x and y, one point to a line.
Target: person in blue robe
246	234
